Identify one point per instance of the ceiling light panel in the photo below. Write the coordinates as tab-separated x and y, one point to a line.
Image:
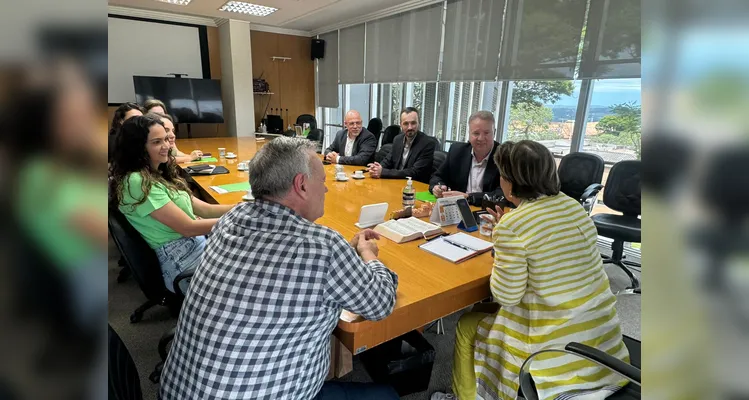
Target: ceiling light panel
177	2
247	8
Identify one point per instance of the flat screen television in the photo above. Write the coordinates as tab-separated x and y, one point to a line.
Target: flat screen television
189	101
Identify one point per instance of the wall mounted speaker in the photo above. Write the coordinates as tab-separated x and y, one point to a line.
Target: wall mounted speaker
318	48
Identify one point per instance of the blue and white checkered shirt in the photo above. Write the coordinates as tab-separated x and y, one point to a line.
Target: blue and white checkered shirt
261	307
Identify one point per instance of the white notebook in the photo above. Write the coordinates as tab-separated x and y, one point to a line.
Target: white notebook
457	247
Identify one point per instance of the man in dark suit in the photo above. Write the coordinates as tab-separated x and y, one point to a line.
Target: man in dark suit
354	145
412	154
469	169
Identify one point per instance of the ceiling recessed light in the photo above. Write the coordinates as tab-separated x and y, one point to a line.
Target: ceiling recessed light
247	8
177	2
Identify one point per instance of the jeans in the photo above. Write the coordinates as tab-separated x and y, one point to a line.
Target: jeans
355	391
178	256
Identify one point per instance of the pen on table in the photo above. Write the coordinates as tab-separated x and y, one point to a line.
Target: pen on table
459	245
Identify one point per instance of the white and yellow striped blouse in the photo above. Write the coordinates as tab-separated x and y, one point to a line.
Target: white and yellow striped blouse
549	280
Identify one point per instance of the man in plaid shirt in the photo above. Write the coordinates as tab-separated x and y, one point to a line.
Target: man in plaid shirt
268	293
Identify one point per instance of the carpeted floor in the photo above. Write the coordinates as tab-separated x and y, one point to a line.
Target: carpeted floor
142	338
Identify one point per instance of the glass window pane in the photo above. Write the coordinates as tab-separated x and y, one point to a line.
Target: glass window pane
613	128
544	111
428	108
385	105
357	98
395	102
443	101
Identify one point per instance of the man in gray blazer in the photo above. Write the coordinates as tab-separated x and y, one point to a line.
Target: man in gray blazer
354	145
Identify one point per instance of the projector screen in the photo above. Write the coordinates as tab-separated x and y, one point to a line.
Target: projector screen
149	49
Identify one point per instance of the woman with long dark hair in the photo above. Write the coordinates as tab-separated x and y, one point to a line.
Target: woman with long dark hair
122	114
147	189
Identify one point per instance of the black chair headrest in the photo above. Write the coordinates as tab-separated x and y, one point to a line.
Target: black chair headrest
390	133
375	125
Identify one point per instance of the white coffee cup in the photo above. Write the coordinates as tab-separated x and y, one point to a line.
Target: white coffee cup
222	152
242	166
359	174
341	176
230	154
339	168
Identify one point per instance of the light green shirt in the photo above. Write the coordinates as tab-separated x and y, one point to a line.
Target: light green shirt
49	196
154	232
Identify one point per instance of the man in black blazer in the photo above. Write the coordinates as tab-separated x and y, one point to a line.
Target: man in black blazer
469	169
412	153
354	145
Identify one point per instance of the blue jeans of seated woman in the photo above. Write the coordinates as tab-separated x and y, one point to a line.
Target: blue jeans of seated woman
178	256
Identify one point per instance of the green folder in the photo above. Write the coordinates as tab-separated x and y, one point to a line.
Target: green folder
425	196
236	187
207	159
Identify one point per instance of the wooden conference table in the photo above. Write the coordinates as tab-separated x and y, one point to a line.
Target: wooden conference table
429	287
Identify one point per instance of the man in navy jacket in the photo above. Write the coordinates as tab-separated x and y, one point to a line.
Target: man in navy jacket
469	169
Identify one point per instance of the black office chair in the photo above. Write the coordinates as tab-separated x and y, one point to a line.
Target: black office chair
622	194
307	119
143	264
439	159
631	391
375	126
315	135
580	175
165	344
383	152
390	133
124	382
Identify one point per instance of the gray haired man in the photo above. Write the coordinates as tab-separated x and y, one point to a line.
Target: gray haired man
269	291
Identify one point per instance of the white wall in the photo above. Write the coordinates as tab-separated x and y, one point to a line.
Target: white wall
149	49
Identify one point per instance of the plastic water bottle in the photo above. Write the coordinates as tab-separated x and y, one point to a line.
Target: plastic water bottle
408	194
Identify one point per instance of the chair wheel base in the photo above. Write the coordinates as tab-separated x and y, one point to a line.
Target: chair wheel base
136	317
630	290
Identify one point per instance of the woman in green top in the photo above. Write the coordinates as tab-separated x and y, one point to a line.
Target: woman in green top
146	188
179	156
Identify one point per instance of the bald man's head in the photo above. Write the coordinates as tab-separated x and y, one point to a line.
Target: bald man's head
352	121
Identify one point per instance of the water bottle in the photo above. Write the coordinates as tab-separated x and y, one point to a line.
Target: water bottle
408	194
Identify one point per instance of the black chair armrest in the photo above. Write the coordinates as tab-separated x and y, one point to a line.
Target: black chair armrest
591	191
605	360
528	388
166	338
184	275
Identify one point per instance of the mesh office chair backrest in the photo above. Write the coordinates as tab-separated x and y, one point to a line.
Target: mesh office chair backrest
390	133
579	170
309	119
622	191
375	126
383	152
439	159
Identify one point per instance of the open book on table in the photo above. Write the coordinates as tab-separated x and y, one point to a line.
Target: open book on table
407	229
457	247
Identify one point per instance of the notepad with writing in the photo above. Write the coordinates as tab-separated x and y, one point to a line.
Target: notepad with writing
406	229
457	247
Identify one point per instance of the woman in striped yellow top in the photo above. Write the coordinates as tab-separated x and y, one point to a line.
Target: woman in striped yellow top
551	288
